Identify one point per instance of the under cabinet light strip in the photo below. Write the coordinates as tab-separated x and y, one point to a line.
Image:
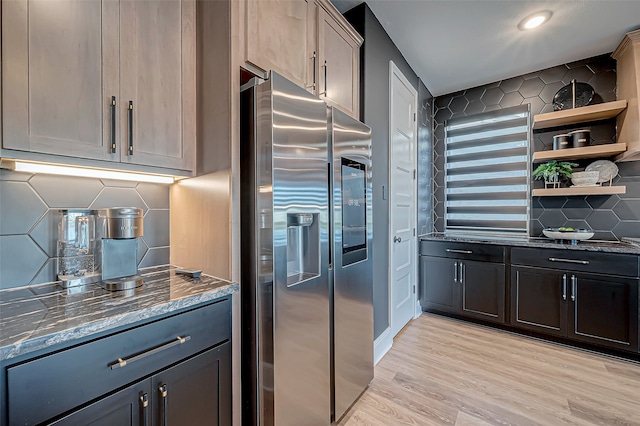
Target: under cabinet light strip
52	169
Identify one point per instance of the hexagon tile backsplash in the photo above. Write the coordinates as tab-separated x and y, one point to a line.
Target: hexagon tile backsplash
29	226
612	217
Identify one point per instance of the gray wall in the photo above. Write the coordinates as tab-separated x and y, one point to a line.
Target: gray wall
29	205
612	217
425	160
375	54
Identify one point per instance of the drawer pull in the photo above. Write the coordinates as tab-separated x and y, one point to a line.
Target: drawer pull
459	251
580	262
564	287
123	361
455	272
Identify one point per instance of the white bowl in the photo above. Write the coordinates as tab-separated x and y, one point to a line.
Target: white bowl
576	235
585	178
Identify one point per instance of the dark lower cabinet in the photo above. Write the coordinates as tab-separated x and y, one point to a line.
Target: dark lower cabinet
483	290
123	408
589	307
604	310
169	372
465	287
195	392
537	300
439	288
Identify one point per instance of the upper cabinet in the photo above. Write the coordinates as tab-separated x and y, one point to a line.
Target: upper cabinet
310	43
158	82
59	71
279	36
338	61
112	81
628	86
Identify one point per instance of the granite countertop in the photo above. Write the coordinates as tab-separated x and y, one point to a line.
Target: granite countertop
541	242
36	317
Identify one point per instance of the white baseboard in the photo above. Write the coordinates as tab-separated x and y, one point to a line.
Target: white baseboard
382	345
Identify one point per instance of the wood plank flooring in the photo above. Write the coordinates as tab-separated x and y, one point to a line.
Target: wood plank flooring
442	371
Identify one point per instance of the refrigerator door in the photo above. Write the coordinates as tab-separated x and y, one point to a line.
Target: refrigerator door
285	192
351	259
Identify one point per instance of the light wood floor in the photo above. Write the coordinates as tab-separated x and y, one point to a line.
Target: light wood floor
443	371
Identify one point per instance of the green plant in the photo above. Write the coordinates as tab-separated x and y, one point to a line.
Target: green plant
548	171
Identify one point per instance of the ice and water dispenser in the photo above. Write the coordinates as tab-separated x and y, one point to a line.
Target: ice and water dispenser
303	247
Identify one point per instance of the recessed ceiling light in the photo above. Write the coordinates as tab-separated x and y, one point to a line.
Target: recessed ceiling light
535	20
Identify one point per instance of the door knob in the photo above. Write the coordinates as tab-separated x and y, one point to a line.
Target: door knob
397	239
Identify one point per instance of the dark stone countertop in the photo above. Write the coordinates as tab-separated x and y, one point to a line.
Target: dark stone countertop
541	242
37	317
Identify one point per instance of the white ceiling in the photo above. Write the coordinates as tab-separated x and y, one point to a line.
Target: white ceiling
454	44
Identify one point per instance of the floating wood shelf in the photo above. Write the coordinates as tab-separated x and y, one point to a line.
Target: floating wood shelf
580	190
594	151
579	115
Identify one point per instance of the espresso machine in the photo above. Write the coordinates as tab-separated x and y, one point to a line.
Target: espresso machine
100	246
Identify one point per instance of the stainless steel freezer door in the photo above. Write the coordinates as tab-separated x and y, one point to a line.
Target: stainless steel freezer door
352	264
292	125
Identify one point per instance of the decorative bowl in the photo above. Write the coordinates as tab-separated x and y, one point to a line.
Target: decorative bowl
585	178
569	234
607	169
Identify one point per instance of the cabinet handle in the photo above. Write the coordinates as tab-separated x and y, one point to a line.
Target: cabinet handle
163	405
144	407
461	273
113	124
314	71
580	262
459	251
455	272
130	118
564	287
121	362
325	79
574	281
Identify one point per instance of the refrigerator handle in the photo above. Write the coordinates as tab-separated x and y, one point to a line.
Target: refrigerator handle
330	210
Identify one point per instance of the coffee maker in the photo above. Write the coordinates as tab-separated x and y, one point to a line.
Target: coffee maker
100	246
119	247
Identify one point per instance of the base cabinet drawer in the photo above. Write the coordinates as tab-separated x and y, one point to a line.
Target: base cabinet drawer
62	381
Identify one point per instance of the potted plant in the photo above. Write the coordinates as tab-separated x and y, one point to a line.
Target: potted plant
553	171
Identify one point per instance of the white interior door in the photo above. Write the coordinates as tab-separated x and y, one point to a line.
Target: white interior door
402	198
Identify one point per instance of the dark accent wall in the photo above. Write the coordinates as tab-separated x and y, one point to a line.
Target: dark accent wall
612	217
375	54
425	159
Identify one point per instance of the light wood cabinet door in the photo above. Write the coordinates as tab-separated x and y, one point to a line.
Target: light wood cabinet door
279	36
338	64
59	71
157	78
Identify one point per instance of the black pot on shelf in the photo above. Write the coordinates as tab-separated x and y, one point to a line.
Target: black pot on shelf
561	141
580	138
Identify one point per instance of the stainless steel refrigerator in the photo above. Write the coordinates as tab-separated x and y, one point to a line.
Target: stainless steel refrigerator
306	234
